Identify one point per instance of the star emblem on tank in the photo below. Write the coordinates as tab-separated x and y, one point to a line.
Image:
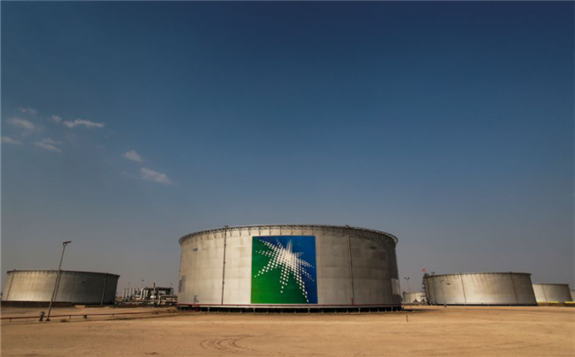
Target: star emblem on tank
290	263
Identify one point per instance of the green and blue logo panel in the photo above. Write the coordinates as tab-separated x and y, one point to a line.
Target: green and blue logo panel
284	270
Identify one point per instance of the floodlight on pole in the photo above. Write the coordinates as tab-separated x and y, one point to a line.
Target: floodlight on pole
55	292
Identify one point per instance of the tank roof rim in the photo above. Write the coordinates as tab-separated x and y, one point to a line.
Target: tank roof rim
483	273
394	238
55	271
551	284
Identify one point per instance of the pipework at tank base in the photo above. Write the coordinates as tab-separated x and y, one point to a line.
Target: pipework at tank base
290	310
472	305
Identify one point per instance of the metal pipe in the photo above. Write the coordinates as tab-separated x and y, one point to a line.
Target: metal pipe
57	279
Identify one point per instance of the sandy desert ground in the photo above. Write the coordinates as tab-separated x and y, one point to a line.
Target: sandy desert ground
427	331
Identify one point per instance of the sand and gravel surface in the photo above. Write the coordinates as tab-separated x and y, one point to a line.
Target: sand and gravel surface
427	331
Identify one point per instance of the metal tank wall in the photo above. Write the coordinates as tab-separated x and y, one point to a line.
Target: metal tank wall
552	292
414	297
354	266
480	289
572	295
75	286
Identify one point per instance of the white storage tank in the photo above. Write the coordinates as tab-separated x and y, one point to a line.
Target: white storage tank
549	293
416	297
480	289
75	287
289	266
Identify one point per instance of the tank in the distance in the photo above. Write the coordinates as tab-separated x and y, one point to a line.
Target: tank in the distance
75	287
414	297
480	289
552	293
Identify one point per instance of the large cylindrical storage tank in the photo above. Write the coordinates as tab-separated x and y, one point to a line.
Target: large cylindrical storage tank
289	266
545	293
76	287
480	289
417	297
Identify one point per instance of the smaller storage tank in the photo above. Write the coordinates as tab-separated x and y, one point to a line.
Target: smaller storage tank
572	295
546	293
75	287
480	289
414	298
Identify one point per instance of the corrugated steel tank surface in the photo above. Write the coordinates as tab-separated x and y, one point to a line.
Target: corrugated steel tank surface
416	297
76	287
480	289
277	266
552	292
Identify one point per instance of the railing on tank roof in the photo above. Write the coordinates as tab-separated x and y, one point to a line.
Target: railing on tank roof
287	227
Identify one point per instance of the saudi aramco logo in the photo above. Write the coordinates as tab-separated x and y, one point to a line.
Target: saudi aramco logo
284	270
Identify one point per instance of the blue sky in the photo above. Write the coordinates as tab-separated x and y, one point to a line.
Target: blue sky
127	125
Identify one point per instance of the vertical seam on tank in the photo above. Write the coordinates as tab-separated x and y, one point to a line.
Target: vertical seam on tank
351	267
104	289
10	286
463	288
514	290
224	265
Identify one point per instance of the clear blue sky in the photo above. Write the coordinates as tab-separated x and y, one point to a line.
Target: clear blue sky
127	125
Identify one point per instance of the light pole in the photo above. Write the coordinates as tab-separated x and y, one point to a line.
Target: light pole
64	244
